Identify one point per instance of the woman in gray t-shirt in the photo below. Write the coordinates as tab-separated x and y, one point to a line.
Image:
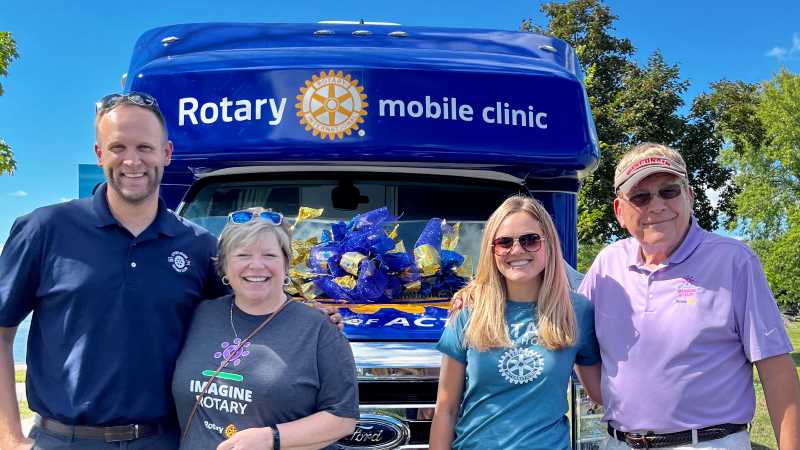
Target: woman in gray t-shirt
292	383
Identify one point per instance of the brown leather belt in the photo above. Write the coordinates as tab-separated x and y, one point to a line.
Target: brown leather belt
117	433
653	440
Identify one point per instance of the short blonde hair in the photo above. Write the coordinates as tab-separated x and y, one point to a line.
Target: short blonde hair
487	294
236	235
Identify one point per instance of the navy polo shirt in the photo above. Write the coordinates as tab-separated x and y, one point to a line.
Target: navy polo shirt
110	310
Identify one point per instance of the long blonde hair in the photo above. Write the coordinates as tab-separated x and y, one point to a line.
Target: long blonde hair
486	294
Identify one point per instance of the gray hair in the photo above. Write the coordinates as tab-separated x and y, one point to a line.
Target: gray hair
236	235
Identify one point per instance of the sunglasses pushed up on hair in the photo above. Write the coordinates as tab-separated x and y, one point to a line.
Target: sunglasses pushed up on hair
641	199
530	242
136	98
246	215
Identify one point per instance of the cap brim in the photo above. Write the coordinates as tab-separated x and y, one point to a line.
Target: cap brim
631	182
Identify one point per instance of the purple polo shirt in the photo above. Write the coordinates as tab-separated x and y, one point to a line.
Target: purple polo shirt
678	342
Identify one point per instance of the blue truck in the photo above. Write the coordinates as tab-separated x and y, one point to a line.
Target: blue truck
349	117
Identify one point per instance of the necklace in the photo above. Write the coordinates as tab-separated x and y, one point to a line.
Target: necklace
235	334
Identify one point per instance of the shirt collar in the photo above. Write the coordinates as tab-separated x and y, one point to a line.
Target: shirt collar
693	238
165	222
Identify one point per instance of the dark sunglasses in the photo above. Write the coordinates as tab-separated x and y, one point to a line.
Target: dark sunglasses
111	101
642	199
530	242
246	215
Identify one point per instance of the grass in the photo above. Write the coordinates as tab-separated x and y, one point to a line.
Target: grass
19	376
24	411
761	435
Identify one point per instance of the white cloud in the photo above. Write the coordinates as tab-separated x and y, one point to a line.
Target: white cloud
778	52
19	194
786	53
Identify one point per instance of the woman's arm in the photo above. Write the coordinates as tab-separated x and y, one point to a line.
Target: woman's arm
448	401
590	379
315	431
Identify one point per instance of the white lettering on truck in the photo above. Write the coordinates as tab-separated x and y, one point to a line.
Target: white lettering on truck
191	111
449	108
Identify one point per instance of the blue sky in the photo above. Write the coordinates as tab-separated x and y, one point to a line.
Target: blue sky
73	53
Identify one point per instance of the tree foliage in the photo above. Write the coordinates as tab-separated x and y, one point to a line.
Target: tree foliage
761	126
8	53
632	103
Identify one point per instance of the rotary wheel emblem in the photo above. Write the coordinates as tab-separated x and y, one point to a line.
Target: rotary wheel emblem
520	365
331	104
230	430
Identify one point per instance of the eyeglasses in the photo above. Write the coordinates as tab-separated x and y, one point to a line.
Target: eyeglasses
246	215
642	199
530	242
111	101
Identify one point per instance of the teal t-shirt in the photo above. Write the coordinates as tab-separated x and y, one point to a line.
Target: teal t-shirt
516	398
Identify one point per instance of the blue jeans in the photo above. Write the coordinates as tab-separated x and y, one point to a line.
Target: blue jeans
45	440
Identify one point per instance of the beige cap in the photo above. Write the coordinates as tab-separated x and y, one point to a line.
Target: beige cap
629	176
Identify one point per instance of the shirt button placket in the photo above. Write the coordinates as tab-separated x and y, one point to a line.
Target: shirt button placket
130	279
649	300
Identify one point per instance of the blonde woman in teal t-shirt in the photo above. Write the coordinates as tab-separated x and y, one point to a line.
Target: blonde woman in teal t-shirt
509	353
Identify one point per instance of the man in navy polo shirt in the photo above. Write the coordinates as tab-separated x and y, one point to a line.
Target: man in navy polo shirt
112	281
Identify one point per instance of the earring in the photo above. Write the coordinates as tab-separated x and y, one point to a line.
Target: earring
226	281
286	280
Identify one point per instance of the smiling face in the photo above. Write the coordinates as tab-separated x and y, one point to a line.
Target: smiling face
521	269
256	271
132	150
661	224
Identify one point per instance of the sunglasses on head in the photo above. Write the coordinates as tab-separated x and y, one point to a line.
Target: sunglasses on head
111	101
530	242
641	199
246	215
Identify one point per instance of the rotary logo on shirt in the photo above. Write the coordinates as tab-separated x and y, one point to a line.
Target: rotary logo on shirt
521	364
180	261
686	291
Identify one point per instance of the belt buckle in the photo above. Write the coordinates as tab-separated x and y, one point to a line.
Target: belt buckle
121	434
638	440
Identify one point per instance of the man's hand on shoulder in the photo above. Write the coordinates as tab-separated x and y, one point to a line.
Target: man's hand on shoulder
462	298
333	314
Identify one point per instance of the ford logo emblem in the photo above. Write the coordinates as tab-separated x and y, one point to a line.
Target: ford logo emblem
377	433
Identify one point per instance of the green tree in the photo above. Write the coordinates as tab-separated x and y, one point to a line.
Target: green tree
631	104
8	53
761	125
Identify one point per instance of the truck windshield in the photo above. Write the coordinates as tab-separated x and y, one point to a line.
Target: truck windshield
414	199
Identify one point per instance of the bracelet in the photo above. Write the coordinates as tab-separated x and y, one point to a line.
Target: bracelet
276	437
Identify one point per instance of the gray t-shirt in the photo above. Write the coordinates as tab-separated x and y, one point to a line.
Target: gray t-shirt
297	365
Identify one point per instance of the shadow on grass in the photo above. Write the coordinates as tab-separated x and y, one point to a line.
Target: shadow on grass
796	358
759	446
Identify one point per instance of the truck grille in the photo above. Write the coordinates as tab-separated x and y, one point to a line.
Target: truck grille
397	382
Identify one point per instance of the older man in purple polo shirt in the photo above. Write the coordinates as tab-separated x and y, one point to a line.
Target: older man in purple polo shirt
682	315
